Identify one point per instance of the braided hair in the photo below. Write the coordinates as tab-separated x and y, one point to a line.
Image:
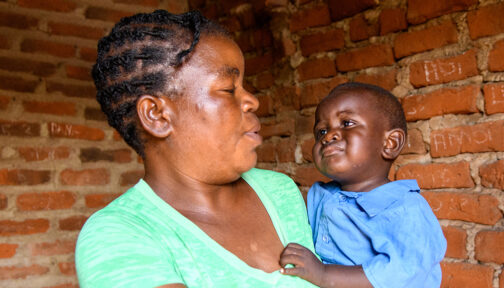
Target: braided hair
141	55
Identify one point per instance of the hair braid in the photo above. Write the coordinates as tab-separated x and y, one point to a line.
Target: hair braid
141	56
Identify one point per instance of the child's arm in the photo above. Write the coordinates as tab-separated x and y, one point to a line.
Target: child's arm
308	267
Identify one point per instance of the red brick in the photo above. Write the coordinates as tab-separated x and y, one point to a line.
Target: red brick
149	3
343	9
501	279
490	246
98	176
24	227
246	17
88	54
476	208
67	268
494	98
78	72
8	250
316	68
304	125
95	154
265	105
28	66
81	31
18	21
232	24
53	5
437	71
43	153
276	3
307	175
285	149
360	29
72	223
392	20
66	285
312	17
414	143
55	108
131	178
24	177
262	38
95	114
4	102
71	90
74	131
3	201
45	201
306	149
461	100
19	129
313	93
321	42
106	14
422	10
476	138
284	128
244	41
386	80
486	21
264	80
16	272
465	275
48	47
18	84
258	64
457	240
439	175
101	200
496	57
59	247
266	152
370	56
492	175
5	42
409	43
286	98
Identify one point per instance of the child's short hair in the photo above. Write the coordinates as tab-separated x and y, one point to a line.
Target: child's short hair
387	103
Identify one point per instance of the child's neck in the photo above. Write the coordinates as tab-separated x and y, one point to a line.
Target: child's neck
364	186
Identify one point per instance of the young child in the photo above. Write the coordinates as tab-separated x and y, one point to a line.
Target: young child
368	231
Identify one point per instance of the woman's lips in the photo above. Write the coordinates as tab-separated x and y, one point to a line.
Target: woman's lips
254	135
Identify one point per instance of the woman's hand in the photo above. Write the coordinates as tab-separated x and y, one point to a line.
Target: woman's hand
306	264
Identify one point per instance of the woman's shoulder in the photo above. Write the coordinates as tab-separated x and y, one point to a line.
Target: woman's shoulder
268	177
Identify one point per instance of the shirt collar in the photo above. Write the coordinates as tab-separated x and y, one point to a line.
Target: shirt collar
378	199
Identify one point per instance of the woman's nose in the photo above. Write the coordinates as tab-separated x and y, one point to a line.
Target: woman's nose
249	102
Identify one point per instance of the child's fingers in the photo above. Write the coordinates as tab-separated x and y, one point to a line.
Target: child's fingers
292	271
290	259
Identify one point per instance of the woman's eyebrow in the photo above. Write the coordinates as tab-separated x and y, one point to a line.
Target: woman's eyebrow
229	71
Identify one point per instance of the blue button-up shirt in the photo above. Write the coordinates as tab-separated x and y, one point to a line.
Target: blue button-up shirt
391	231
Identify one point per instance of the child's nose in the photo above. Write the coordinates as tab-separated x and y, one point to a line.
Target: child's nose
332	135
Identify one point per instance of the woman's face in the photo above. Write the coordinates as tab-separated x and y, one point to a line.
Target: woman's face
215	131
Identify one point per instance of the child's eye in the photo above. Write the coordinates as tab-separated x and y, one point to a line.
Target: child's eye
320	133
348	123
230	91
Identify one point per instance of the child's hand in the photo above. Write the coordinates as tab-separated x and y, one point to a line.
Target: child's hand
306	264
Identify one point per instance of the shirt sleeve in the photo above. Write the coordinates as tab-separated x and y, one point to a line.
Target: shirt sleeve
113	251
409	250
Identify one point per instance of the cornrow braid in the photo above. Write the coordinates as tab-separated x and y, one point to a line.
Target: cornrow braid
140	56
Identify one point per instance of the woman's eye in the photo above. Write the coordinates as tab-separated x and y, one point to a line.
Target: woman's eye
231	90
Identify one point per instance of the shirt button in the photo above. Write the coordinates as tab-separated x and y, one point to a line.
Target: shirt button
325	239
342	197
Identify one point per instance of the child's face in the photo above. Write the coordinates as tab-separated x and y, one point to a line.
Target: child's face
349	139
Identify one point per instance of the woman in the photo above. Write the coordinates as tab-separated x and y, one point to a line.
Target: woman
202	216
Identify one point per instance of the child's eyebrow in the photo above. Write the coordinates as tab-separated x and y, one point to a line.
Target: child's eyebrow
229	71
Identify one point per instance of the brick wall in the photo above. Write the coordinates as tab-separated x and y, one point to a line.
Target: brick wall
60	162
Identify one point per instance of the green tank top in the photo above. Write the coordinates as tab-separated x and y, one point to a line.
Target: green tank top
139	240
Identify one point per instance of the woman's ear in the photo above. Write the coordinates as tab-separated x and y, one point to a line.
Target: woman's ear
156	115
394	142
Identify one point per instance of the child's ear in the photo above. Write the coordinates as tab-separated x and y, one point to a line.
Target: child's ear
156	115
394	142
